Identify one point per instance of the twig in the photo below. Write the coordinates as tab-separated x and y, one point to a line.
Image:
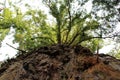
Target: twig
16	48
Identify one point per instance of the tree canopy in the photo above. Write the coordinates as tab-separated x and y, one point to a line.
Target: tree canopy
72	24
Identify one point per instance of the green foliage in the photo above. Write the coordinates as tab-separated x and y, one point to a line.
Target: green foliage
3	33
72	25
93	44
115	51
32	32
5	22
118	55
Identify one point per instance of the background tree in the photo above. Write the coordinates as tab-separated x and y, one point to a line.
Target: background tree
110	15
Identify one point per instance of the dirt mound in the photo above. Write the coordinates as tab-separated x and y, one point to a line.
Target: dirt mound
61	63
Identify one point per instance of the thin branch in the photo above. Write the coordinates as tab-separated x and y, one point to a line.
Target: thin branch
16	48
70	18
77	34
89	38
45	38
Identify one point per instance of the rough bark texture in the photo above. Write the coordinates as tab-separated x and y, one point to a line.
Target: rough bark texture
61	63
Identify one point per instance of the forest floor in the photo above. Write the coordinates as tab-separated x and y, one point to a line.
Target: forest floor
61	63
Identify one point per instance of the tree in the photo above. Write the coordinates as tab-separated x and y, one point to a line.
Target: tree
115	51
73	25
77	25
109	12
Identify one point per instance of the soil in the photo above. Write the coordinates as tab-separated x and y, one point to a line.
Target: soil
61	62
